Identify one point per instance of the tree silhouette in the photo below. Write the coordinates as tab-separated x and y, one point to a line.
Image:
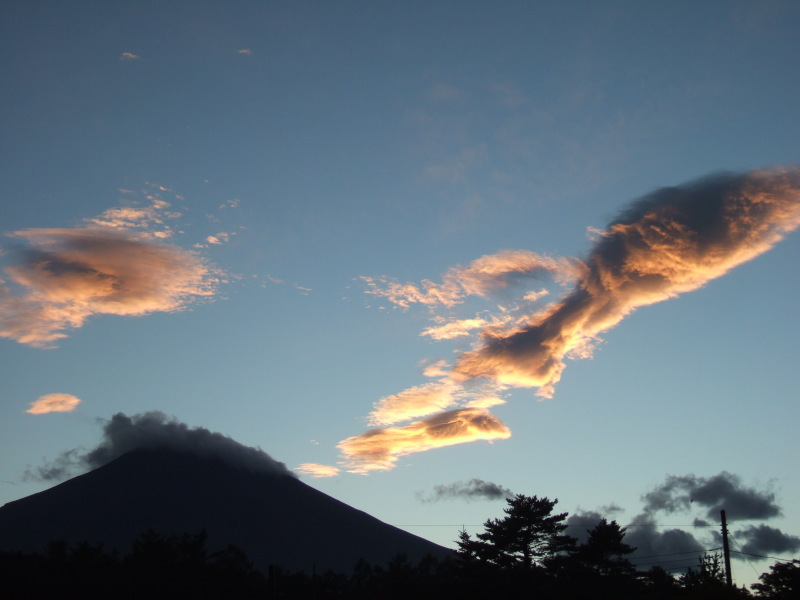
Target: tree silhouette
527	536
781	583
604	551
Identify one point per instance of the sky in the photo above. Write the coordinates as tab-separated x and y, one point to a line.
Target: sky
423	254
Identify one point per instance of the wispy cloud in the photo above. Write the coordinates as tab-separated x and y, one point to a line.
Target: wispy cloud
318	471
474	489
379	449
245	51
129	56
115	265
480	278
53	403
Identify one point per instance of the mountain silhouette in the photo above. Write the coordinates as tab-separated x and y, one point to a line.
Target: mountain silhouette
274	518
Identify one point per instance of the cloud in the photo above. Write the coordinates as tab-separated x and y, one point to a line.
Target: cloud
245	51
379	449
455	329
651	540
723	491
53	403
481	277
419	401
129	56
123	434
318	471
474	489
673	241
64	276
579	524
763	539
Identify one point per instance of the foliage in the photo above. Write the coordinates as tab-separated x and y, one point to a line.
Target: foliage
526	537
781	583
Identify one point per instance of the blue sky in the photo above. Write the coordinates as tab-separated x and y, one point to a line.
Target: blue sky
270	164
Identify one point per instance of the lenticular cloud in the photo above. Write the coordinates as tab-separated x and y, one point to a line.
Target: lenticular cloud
117	265
672	241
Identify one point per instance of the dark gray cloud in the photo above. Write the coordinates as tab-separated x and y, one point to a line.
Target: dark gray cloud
652	540
763	539
474	489
579	524
122	434
723	491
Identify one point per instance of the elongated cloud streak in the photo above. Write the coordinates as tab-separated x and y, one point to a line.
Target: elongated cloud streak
467	490
64	276
673	241
318	471
379	449
53	403
670	242
482	276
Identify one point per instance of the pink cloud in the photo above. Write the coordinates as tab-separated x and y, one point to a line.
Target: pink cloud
53	403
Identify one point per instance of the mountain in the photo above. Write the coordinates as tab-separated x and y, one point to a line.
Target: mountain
273	518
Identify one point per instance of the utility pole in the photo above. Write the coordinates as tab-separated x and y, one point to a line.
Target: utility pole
726	551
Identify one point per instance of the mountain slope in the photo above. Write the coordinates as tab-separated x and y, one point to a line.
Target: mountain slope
274	519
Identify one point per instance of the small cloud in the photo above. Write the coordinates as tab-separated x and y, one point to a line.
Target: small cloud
129	56
318	471
474	489
229	204
245	51
53	403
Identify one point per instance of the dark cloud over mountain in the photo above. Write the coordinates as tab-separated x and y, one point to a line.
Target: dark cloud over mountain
154	429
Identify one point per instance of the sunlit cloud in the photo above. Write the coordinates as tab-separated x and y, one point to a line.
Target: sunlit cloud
672	241
318	471
245	51
53	403
454	329
668	243
481	277
129	56
115	265
415	402
150	220
379	449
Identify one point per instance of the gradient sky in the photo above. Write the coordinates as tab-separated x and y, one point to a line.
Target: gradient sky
264	218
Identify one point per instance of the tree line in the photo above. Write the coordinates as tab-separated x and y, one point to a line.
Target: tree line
525	554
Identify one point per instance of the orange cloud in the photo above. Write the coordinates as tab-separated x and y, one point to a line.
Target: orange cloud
419	401
668	243
68	275
318	471
483	276
379	449
53	403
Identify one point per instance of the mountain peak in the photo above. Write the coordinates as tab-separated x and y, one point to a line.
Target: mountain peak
273	519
